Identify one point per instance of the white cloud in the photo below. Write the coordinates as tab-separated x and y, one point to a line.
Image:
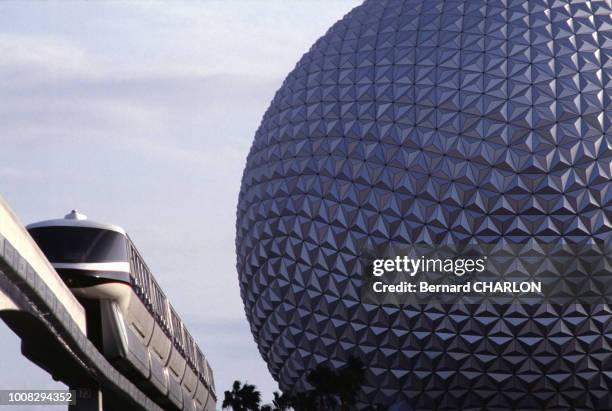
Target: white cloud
45	53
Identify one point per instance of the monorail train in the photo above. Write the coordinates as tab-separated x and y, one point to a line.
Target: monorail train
129	318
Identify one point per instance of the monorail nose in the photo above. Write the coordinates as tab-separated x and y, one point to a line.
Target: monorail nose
75	215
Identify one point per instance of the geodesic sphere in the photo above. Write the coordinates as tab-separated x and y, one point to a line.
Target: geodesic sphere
430	121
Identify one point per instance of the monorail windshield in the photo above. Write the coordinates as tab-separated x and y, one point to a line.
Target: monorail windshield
80	244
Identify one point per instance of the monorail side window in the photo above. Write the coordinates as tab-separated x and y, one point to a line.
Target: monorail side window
80	244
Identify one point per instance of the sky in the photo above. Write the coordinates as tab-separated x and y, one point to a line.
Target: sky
141	114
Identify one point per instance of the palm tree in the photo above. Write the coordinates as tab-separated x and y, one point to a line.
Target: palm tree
242	397
333	386
231	398
304	401
349	380
281	402
325	383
